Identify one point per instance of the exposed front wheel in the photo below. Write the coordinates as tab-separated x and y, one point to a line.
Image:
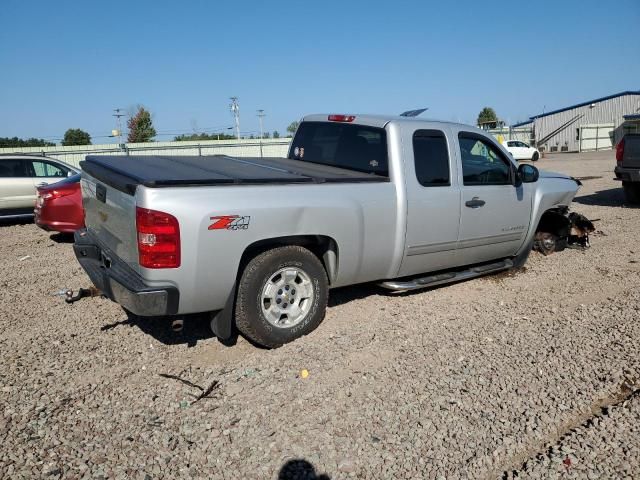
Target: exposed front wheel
535	157
282	295
545	243
631	192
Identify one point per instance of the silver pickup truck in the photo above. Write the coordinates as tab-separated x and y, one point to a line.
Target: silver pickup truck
258	242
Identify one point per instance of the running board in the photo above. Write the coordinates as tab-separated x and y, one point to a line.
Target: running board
447	277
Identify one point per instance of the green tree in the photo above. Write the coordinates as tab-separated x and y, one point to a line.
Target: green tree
276	134
203	136
75	136
265	135
293	126
487	114
19	142
140	127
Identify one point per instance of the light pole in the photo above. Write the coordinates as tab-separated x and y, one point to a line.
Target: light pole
118	131
261	115
218	133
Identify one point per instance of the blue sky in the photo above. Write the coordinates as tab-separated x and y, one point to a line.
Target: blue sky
67	64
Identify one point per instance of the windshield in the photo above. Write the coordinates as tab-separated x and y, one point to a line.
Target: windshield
343	145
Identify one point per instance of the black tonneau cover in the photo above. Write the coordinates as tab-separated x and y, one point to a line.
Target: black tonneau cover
125	173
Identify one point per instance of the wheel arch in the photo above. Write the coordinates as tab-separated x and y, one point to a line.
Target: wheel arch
554	220
323	247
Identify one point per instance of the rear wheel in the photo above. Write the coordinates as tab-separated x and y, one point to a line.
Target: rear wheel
535	157
282	295
631	192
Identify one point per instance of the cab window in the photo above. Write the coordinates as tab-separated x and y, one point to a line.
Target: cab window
482	162
431	157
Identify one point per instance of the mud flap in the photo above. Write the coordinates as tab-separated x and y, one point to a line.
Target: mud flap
222	321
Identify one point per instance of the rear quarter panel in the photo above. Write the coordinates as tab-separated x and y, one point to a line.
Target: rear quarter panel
359	217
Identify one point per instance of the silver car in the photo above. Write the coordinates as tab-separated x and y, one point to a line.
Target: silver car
20	175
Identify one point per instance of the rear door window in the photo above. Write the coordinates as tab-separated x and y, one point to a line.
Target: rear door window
344	145
14	168
47	169
431	157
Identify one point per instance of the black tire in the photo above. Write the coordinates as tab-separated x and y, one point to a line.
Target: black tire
631	192
249	317
535	157
546	243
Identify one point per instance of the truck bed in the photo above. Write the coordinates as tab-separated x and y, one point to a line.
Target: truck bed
125	173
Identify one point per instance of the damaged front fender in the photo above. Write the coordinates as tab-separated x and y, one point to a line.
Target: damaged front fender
559	229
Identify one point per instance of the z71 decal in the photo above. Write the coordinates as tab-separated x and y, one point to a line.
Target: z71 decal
230	222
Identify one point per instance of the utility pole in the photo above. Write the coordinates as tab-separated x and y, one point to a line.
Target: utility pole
235	110
261	115
118	132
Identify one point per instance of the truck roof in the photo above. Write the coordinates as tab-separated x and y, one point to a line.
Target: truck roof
381	121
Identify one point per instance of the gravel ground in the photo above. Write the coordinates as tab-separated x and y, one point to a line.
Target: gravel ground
531	374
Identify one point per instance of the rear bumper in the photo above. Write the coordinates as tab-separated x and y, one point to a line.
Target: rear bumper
120	283
627	174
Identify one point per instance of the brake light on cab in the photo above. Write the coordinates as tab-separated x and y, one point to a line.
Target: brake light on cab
158	239
342	118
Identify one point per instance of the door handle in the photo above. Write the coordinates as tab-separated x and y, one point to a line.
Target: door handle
475	202
42	184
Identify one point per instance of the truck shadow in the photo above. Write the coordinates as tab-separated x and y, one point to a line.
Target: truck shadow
195	328
613	197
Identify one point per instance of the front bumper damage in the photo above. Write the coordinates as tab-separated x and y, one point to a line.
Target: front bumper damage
560	229
119	282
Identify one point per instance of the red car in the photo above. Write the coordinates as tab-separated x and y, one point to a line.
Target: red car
59	206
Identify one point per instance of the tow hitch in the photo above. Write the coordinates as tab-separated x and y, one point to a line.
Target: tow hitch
69	297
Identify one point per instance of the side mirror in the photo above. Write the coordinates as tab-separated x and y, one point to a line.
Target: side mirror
528	173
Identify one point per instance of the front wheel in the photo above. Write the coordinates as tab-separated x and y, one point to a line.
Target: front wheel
535	157
282	295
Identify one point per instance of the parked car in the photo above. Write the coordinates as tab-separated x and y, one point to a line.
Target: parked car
628	166
258	243
59	206
521	151
20	175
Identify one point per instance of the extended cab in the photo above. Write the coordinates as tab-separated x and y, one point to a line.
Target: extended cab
258	242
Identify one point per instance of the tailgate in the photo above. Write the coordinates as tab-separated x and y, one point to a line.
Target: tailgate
110	215
631	157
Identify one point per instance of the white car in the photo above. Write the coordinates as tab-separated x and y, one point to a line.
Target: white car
521	151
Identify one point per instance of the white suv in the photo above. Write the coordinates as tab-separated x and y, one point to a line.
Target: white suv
19	177
520	150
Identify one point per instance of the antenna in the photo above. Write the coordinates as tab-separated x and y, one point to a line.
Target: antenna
235	109
413	113
261	115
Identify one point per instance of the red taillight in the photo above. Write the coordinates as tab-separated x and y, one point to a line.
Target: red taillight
53	194
620	151
158	239
342	118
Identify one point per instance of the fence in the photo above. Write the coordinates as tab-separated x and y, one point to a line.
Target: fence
272	147
523	134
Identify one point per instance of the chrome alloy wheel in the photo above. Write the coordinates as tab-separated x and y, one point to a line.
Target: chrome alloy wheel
287	297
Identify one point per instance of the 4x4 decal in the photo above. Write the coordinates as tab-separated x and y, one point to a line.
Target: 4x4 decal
230	222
